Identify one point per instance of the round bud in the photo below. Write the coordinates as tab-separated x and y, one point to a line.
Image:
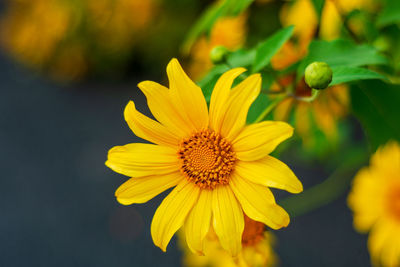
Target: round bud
218	54
383	43
318	75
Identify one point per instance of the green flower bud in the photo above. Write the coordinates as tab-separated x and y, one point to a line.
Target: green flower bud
383	43
218	54
318	75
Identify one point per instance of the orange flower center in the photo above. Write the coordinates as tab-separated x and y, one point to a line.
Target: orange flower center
207	159
393	202
253	232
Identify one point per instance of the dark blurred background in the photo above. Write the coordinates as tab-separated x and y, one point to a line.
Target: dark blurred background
57	196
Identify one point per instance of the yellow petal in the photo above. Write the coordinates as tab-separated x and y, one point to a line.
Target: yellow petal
228	219
367	189
302	117
187	96
378	240
271	172
137	160
164	109
198	222
391	253
172	212
325	119
283	109
331	22
258	140
237	106
220	96
258	203
140	190
147	128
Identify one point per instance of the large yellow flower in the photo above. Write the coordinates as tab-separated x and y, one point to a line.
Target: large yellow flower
375	201
220	166
256	252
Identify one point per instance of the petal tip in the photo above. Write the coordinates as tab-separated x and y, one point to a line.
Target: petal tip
108	164
123	201
173	63
129	109
130	105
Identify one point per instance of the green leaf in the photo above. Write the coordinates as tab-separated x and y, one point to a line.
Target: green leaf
210	16
241	58
390	13
258	106
339	53
267	49
376	105
318	6
349	74
239	6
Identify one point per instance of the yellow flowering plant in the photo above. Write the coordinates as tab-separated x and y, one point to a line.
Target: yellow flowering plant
249	150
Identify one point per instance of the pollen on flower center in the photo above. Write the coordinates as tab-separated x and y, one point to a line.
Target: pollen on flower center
207	159
253	232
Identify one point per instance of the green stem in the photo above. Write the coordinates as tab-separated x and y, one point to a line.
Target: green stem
325	192
270	107
314	95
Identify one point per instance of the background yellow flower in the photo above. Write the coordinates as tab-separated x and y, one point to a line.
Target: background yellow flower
302	14
257	249
375	202
228	31
323	113
69	38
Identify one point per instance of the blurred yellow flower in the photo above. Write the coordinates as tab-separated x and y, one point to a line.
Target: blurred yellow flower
332	104
31	30
324	112
220	166
66	38
122	19
257	250
302	14
227	31
375	202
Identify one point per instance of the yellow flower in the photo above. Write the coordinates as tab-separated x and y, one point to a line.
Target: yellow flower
324	112
332	104
220	166
375	202
54	42
228	31
256	252
31	36
302	14
122	19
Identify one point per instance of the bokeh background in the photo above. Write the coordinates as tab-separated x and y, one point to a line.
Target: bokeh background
56	126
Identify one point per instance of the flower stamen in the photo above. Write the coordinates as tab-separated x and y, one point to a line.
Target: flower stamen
207	159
